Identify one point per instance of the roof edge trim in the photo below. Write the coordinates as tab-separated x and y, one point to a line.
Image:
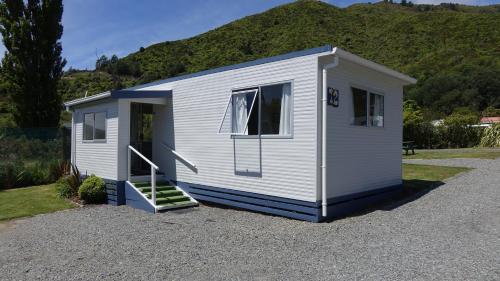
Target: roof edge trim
131	94
74	102
373	65
295	54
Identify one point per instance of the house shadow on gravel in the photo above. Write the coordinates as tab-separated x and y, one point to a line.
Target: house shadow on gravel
412	190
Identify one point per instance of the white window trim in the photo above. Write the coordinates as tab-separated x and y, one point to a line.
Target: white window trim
368	92
292	106
94	140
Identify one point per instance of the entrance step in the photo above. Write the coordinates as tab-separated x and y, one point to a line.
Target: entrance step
168	196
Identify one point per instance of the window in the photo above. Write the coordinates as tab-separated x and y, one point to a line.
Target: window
367	112
264	110
359	102
94	126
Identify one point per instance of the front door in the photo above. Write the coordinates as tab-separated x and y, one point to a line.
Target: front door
141	136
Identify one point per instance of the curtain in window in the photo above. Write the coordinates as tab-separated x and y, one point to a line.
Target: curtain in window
286	108
240	115
377	110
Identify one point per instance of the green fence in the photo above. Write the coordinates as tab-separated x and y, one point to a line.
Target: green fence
27	155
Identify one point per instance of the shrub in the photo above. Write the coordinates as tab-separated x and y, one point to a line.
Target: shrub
35	174
92	190
57	169
75	178
11	174
491	137
64	189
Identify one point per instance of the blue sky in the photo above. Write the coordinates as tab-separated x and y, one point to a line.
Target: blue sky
96	27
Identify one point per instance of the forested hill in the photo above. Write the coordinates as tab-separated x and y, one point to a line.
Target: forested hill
453	50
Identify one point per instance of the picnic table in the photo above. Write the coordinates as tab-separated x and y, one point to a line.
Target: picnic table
408	145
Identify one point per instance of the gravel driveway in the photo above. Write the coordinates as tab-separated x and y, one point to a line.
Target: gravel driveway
450	233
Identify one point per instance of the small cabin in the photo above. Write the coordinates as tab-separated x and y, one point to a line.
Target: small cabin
311	135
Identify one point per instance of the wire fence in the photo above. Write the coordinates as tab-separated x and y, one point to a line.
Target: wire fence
27	155
35	143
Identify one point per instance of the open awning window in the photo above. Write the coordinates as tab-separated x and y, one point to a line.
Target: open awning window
239	111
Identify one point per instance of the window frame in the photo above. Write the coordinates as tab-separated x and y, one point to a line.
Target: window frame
368	91
292	105
94	140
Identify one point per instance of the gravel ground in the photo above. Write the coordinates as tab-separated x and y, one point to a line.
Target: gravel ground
450	233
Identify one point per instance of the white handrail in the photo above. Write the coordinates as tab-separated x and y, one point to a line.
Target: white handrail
179	155
153	171
143	157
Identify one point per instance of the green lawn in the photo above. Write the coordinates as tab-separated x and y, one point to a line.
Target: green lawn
483	153
30	201
416	177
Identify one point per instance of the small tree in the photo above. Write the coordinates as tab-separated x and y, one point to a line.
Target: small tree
412	118
491	136
490	111
459	129
102	63
32	65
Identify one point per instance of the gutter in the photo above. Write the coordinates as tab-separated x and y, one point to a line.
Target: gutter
87	99
324	204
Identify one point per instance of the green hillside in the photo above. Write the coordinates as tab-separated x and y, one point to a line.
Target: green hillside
453	50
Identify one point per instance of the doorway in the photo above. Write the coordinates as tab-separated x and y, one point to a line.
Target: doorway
141	136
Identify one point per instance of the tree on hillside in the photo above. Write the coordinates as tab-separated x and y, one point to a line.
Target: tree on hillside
101	63
32	65
490	111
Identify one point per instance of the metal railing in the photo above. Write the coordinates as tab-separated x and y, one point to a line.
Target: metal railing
184	159
154	168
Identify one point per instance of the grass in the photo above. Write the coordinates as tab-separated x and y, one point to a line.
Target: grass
417	177
30	201
455	153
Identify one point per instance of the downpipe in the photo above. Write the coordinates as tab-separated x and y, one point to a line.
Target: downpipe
324	99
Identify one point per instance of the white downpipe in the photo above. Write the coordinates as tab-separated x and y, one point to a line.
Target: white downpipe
324	98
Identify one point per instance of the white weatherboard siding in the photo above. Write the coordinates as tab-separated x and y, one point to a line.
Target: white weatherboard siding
99	158
288	165
363	158
163	133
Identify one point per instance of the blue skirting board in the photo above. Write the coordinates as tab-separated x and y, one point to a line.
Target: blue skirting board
115	192
120	193
297	209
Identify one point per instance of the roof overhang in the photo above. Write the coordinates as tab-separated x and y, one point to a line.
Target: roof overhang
87	99
373	65
137	92
140	94
120	94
